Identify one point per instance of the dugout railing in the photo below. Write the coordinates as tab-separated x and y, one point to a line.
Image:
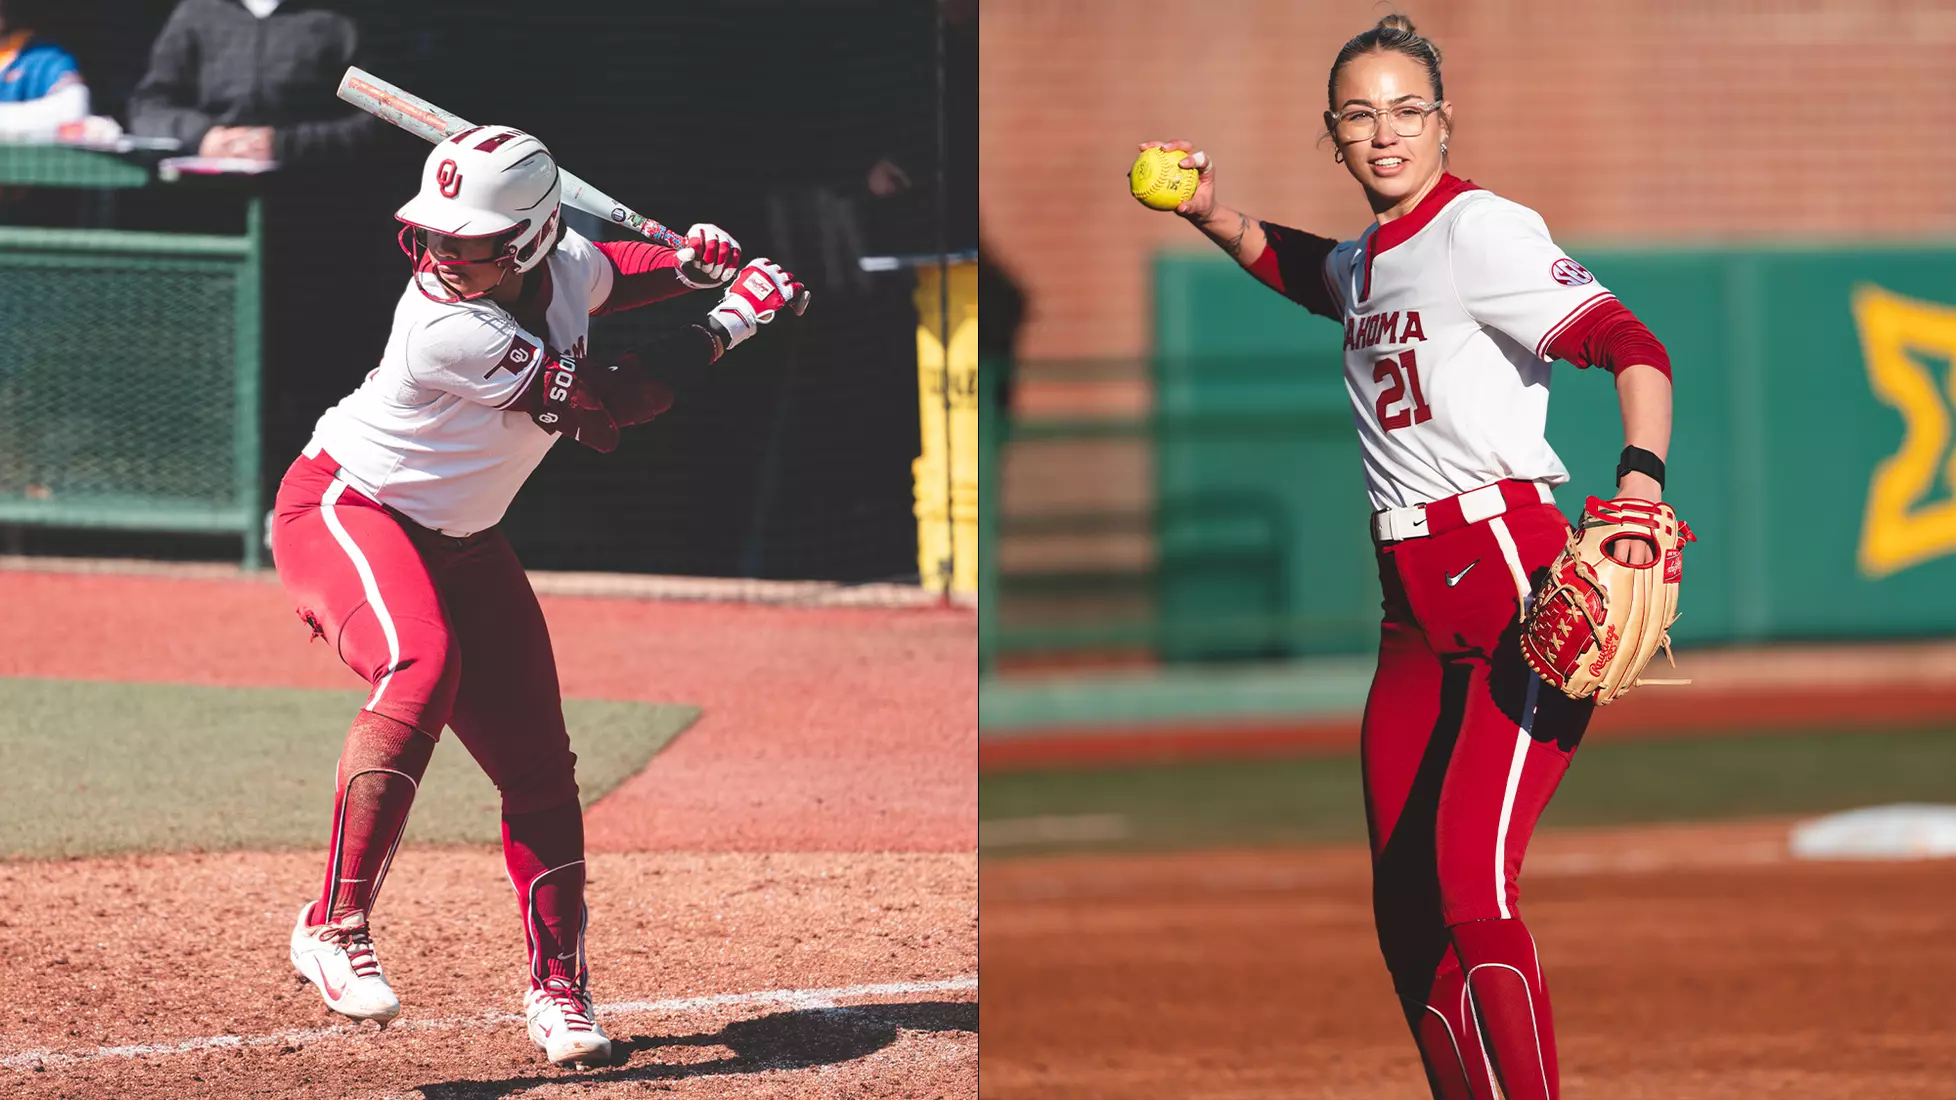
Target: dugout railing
129	363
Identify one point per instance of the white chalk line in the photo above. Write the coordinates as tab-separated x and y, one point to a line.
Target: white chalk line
790	998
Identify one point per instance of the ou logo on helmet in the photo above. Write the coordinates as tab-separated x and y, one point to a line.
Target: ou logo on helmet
448	178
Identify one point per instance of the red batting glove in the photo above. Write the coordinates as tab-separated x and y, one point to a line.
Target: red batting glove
761	290
715	257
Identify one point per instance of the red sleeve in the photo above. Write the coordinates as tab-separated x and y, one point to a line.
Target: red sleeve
1292	264
1610	336
641	273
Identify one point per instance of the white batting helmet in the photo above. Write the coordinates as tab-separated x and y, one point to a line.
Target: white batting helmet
489	181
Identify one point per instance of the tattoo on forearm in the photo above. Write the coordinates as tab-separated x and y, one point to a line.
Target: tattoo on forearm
1234	243
1231	242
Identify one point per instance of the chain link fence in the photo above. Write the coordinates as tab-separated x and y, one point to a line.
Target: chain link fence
129	375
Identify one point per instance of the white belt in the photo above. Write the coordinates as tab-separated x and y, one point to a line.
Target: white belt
1395	524
1486	502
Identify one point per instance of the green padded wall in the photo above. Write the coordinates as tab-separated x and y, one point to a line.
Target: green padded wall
1780	440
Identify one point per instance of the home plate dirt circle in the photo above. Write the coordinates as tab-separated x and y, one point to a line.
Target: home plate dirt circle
721	974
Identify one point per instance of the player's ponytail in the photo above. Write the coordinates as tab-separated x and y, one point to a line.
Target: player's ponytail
1394	34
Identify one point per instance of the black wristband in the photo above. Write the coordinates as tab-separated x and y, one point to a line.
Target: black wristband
1638	460
718	334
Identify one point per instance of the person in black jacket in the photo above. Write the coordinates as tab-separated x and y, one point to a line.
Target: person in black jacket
256	80
253	79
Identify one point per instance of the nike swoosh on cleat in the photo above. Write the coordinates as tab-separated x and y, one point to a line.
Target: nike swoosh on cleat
1455	578
325	985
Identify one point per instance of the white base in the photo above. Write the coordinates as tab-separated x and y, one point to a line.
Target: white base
1901	831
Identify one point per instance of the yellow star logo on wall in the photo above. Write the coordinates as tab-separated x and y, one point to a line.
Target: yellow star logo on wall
1903	525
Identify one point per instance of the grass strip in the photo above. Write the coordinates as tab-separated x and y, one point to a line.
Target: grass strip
1316	800
91	768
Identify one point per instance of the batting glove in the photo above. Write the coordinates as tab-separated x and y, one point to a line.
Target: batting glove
715	256
761	290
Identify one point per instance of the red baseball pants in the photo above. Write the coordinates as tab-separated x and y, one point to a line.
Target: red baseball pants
1462	748
448	632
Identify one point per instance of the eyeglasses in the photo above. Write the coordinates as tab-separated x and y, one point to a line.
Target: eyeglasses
1361	123
437	250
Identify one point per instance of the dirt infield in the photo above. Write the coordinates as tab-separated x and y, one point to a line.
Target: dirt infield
783	904
1687	963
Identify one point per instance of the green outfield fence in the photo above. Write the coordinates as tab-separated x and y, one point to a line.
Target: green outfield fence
129	365
1812	455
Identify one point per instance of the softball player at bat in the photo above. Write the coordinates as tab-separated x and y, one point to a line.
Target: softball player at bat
385	535
1454	302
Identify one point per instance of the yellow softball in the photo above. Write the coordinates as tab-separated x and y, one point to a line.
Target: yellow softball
1158	180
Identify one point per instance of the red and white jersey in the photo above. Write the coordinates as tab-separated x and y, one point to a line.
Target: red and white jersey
431	432
1449	314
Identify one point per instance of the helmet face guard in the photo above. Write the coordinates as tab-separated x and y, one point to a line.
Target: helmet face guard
486	182
413	240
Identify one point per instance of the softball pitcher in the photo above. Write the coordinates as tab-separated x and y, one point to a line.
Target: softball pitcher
386	536
1453	303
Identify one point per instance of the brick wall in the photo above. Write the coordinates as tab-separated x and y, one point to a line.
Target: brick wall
1617	120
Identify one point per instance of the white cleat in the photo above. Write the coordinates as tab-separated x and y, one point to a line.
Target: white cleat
339	959
563	1024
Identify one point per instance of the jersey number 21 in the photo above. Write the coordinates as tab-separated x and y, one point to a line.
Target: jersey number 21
1403	370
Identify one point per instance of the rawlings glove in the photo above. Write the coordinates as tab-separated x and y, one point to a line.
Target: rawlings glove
715	256
1597	622
752	300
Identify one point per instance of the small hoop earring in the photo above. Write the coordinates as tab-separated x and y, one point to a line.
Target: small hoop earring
1338	156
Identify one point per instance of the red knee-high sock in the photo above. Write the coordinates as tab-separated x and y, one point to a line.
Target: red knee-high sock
1443	1025
1511	1005
545	854
380	769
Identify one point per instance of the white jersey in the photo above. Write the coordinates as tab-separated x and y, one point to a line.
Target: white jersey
431	433
1449	314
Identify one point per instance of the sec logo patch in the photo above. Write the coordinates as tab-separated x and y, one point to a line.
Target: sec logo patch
1570	273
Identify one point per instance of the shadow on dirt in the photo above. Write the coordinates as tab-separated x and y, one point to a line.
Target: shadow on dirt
781	1040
